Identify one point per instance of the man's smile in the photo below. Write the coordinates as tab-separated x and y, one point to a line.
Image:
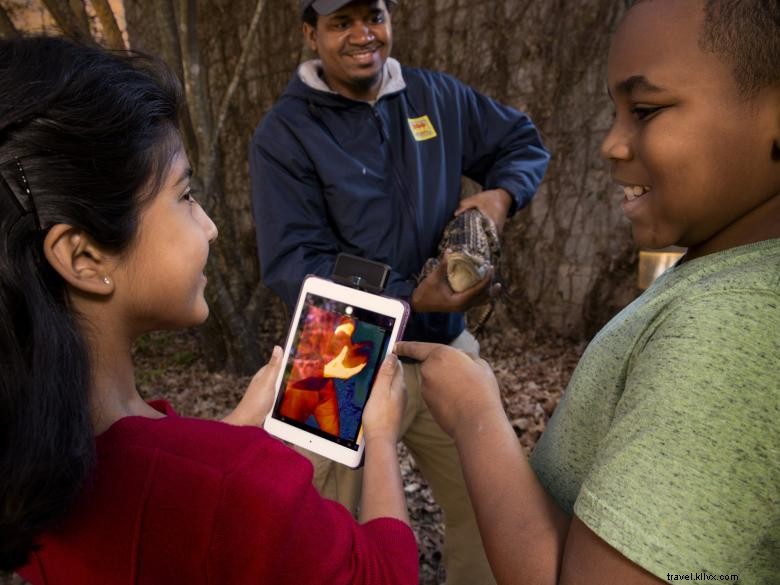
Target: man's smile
363	55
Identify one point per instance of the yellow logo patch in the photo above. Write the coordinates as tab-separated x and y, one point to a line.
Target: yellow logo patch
422	129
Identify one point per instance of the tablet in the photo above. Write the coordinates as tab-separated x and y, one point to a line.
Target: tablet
338	338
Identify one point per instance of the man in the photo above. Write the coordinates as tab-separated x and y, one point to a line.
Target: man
363	156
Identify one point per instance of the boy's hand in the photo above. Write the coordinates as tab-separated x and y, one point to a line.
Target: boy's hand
385	406
434	293
457	387
259	396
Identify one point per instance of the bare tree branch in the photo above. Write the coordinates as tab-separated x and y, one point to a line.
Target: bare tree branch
111	33
169	35
68	22
79	13
237	73
171	51
195	84
235	330
7	28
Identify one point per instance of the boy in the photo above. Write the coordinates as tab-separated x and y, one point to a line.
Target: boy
661	462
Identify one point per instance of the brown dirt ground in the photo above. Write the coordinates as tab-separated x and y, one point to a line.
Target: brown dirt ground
532	372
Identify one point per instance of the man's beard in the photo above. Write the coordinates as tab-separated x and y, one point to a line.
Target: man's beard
365	84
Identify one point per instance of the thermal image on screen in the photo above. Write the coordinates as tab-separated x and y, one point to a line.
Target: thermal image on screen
332	365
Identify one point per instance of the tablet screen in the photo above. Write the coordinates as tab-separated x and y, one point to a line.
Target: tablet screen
333	362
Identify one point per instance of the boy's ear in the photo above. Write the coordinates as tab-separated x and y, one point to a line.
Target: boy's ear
776	141
75	257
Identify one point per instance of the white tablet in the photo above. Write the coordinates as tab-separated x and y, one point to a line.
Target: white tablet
338	338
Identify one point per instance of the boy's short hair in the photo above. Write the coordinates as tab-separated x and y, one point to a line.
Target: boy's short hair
745	34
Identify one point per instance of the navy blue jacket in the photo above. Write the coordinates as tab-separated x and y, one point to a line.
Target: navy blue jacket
330	174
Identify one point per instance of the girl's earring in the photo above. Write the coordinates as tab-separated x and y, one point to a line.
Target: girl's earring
106	280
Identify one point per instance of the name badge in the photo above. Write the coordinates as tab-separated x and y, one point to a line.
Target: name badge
422	128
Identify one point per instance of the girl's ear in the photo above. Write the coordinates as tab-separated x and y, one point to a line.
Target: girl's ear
75	257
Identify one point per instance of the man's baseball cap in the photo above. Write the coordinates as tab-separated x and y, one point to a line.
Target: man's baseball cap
325	7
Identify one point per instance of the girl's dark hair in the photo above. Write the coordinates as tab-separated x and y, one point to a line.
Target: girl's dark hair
86	137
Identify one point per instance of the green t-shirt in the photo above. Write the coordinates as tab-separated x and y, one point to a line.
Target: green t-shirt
667	440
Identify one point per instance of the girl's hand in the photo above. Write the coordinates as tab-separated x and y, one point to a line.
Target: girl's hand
383	492
259	396
385	406
457	387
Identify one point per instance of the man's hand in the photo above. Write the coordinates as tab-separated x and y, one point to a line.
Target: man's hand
259	395
457	387
494	203
434	293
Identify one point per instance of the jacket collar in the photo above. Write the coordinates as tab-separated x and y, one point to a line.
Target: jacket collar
310	73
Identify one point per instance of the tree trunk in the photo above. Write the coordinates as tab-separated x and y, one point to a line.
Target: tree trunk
568	260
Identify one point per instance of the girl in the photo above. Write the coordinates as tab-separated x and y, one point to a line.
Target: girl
101	241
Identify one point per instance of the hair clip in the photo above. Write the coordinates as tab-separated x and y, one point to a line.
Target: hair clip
13	182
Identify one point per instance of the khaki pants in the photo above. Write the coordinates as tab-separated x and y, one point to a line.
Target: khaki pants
435	454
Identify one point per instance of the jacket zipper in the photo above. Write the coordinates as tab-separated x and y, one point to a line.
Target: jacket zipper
406	199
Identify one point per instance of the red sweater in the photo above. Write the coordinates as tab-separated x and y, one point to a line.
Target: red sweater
182	500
